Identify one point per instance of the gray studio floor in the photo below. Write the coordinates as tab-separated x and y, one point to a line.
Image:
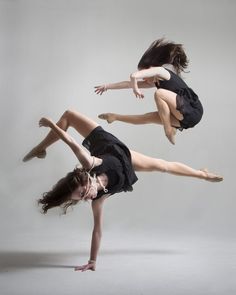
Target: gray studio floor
129	263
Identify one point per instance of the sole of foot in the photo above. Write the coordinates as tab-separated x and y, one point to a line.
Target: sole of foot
34	154
212	177
108	117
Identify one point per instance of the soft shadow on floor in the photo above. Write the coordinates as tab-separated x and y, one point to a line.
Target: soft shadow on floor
19	260
13	260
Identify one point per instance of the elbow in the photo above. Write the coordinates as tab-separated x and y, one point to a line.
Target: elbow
133	75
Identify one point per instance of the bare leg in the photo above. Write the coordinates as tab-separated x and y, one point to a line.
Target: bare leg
81	123
144	163
148	118
166	104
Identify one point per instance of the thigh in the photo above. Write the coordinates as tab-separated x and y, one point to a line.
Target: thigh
170	98
81	123
144	163
154	117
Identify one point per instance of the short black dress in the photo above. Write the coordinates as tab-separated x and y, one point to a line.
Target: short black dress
187	101
116	161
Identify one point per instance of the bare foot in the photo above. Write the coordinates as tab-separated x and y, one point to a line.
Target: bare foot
211	176
170	134
110	117
35	153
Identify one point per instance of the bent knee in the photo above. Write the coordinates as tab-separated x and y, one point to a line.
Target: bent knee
159	93
160	165
68	113
163	168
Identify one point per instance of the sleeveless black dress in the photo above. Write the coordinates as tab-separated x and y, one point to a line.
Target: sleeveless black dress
116	161
187	101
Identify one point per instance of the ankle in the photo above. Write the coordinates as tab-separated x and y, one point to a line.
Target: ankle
203	174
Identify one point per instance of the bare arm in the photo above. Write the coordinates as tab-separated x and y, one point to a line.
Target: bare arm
97	207
83	156
158	72
119	85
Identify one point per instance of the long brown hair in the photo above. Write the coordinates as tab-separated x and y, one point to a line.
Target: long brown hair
60	194
162	52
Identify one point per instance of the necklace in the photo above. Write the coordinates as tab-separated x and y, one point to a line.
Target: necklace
103	186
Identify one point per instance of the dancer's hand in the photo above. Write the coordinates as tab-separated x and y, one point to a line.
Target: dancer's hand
85	267
138	93
100	89
134	85
45	122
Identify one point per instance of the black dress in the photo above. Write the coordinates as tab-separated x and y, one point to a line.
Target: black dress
116	161
187	101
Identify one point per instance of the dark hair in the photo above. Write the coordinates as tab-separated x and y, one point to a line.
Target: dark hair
163	52
60	195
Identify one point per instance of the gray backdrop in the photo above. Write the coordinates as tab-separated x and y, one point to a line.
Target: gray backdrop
53	53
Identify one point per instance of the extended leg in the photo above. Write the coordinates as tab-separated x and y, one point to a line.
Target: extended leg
144	163
148	118
81	123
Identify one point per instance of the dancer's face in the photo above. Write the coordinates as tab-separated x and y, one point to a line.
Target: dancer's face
85	192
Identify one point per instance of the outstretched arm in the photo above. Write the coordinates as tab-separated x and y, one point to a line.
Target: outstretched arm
120	85
83	156
97	207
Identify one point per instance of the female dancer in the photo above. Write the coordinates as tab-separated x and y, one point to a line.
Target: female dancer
178	106
108	168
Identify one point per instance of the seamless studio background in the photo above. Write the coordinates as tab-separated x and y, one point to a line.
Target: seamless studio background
181	230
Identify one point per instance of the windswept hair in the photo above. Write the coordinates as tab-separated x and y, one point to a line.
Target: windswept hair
60	195
163	52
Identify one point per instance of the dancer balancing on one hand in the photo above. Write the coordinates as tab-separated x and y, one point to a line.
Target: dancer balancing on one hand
107	167
177	104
